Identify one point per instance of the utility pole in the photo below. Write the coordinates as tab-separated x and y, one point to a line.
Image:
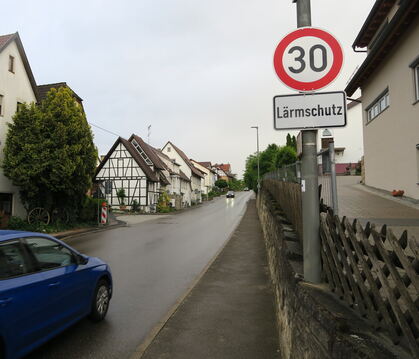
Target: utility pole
257	148
310	194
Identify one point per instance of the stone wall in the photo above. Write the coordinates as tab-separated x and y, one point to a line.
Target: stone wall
312	322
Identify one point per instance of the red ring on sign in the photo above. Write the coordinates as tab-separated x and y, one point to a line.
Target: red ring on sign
314	85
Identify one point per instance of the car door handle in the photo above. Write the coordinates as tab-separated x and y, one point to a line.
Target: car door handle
4	302
55	284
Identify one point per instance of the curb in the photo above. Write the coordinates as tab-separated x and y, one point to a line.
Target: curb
82	231
408	202
142	348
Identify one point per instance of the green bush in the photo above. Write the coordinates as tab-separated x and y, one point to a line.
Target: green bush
135	206
163	204
90	209
18	223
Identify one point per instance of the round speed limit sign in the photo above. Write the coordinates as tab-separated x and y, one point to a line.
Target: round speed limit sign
308	59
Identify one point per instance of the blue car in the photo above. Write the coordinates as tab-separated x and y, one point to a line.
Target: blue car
46	286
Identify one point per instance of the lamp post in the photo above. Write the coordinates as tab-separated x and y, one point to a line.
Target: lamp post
257	142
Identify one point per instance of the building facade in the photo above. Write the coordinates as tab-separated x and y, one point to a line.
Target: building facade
389	80
17	85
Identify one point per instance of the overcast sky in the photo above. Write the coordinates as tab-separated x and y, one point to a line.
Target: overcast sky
199	72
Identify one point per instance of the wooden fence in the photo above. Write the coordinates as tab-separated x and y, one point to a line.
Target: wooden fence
376	274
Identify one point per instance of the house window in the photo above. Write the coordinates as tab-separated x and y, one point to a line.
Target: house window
18	106
378	106
1	105
11	64
168	149
415	67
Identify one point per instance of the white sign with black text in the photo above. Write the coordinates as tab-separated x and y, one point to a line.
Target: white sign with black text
315	110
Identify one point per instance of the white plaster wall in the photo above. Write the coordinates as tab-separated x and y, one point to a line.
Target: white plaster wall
15	87
186	189
205	182
174	155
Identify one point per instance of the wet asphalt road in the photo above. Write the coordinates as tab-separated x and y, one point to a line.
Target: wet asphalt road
152	263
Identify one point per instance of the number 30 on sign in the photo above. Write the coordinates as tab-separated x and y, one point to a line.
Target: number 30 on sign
308	59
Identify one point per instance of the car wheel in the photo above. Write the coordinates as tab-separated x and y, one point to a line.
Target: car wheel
101	300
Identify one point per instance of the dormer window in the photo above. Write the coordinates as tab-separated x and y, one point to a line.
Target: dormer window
11	64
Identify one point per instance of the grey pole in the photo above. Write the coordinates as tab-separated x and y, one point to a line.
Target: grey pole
333	178
303	13
257	149
310	195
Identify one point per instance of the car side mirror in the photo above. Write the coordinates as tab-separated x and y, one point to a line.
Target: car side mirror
82	259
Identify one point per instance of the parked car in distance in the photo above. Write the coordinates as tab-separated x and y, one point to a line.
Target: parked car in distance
246	188
230	194
45	287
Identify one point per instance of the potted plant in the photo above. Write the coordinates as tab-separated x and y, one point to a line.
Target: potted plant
120	193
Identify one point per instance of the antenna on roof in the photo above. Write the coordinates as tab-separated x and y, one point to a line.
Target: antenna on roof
148	135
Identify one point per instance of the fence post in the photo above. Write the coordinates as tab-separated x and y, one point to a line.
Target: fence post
333	178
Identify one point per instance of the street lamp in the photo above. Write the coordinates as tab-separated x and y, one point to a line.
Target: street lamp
257	141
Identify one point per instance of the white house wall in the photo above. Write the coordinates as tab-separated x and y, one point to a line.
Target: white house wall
15	87
170	152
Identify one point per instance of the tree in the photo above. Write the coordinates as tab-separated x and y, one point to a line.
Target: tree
236	185
286	156
250	174
49	152
221	183
291	142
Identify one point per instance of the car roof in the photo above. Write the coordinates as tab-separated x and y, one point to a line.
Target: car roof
8	234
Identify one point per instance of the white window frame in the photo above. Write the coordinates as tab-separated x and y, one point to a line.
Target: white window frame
380	104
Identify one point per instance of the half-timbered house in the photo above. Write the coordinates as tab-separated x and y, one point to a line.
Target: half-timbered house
129	168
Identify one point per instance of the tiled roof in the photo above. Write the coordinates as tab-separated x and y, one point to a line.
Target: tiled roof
184	177
4	39
44	89
205	164
163	179
194	170
225	167
150	151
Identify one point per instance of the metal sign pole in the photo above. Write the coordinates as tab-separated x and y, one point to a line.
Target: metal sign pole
310	196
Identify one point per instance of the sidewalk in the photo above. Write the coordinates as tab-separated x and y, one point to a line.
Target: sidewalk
230	312
369	205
